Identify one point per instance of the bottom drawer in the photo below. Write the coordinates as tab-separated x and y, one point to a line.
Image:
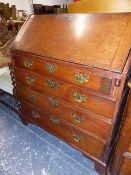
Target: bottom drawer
126	166
83	119
63	130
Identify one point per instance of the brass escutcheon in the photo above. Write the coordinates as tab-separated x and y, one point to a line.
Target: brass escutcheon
32	97
54	120
53	102
80	97
35	115
27	63
51	68
70	18
30	79
81	78
77	118
52	84
76	137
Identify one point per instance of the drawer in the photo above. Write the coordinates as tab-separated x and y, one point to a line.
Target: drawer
68	92
80	119
61	129
69	72
125	168
129	146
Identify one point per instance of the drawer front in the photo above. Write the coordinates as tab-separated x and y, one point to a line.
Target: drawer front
129	145
76	74
80	119
55	125
125	167
72	94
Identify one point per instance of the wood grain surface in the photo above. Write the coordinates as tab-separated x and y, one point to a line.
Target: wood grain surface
95	40
92	104
55	125
100	81
71	70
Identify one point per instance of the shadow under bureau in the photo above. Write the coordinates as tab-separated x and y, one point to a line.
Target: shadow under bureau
69	74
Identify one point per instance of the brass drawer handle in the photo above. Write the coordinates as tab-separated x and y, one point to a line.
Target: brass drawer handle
35	115
81	78
32	97
76	137
51	68
54	120
27	63
53	102
129	83
78	118
80	97
30	79
52	84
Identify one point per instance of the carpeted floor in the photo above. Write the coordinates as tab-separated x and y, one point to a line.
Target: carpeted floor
29	150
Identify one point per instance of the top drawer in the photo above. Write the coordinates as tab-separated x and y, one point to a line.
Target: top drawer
69	72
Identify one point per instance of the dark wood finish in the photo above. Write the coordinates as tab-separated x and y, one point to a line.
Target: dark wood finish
59	127
101	83
40	9
126	166
91	104
129	147
25	92
121	164
90	123
82	47
66	70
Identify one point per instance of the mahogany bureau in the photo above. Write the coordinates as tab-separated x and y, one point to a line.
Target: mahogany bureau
69	73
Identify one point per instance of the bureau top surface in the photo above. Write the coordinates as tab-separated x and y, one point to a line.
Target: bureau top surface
95	40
